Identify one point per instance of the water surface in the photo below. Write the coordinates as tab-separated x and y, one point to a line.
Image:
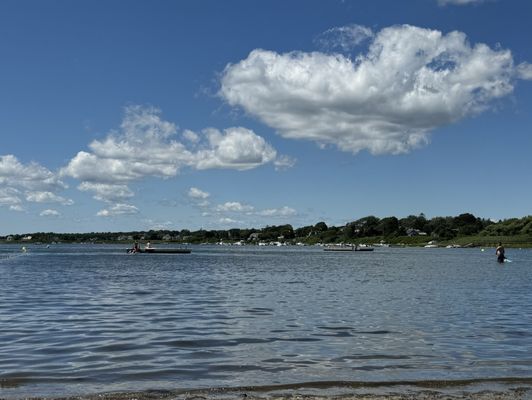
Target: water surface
83	319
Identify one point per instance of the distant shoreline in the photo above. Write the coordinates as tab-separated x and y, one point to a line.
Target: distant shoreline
464	230
462	242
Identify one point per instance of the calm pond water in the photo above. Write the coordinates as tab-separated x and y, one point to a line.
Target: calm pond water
86	319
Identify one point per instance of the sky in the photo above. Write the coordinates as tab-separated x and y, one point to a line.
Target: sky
137	115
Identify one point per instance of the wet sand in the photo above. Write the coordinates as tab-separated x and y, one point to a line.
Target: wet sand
512	394
495	392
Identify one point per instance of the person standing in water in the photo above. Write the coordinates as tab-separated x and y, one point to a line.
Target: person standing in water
135	248
500	253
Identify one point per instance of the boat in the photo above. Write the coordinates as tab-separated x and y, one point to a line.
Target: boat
166	251
348	248
363	248
339	248
161	251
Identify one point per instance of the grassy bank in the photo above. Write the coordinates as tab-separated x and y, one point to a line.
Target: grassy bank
514	241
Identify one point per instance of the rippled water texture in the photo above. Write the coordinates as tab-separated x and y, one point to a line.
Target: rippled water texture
83	319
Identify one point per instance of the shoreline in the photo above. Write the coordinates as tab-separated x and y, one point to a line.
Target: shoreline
511	393
469	389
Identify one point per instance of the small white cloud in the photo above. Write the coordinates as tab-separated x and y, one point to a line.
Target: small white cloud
50	213
227	221
117	210
196	193
234	206
284	162
16	207
524	71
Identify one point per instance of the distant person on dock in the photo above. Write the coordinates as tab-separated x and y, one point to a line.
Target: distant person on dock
500	253
148	245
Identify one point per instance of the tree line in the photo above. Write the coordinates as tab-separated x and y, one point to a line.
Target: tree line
389	229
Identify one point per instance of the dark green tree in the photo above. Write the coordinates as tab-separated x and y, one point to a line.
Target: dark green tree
389	226
321	227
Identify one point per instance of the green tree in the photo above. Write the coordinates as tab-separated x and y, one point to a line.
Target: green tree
389	226
321	227
442	228
368	226
418	222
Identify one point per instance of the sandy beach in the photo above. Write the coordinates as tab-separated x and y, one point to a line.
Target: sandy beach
417	391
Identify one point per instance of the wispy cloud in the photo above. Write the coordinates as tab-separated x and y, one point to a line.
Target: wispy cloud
284	162
410	82
278	212
234	206
459	2
344	38
157	225
28	182
50	213
113	193
196	193
47	197
228	221
10	196
118	210
524	71
237	212
30	176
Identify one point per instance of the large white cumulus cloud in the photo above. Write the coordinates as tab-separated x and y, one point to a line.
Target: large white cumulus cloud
144	146
410	82
148	146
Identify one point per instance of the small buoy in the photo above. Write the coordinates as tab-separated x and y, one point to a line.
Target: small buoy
23	249
481	249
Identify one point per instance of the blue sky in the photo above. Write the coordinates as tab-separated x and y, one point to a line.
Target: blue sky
126	115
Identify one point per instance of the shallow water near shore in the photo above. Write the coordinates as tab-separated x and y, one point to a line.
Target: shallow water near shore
87	319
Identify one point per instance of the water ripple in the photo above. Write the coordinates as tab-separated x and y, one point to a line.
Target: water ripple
73	319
